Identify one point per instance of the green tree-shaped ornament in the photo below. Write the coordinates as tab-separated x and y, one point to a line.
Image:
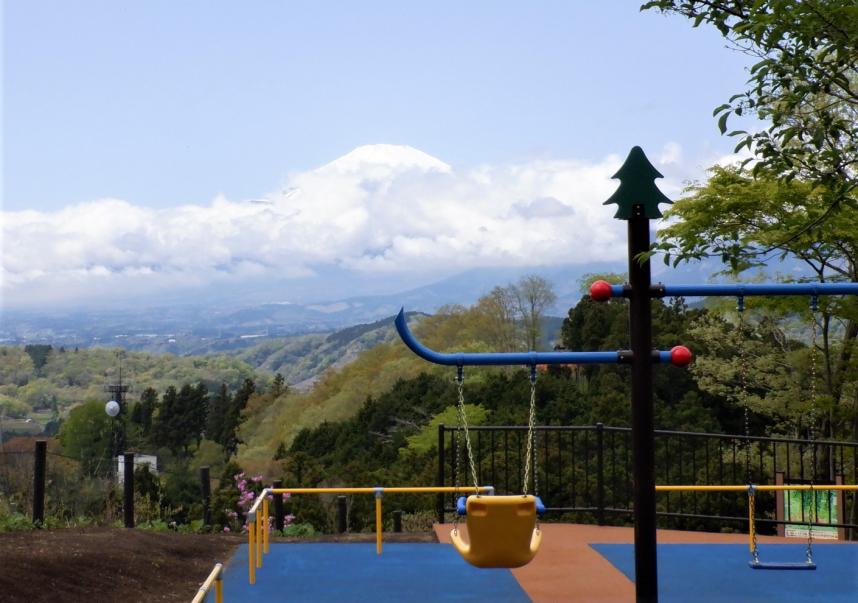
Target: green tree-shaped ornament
637	187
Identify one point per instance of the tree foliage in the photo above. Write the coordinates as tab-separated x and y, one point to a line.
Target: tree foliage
732	215
87	435
804	84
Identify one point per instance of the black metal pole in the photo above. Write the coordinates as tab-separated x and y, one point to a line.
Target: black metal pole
600	474
397	521
206	491
342	524
128	489
278	506
643	423
39	467
441	472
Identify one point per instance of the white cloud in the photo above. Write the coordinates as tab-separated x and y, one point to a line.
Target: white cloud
381	208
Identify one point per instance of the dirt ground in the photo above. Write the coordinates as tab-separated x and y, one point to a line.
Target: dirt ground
107	565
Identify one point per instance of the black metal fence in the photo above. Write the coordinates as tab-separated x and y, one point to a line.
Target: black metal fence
584	473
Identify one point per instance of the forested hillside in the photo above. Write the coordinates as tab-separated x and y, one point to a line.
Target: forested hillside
302	358
42	382
387	379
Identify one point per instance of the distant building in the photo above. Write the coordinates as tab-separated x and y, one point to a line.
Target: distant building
139	460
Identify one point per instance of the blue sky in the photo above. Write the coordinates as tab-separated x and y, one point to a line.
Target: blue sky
162	103
160	145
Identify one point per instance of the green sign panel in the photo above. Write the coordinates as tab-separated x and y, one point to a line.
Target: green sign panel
799	507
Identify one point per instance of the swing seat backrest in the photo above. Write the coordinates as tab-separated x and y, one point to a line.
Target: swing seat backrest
502	531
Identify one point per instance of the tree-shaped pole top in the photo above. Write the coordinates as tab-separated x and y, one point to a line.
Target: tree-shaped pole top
637	187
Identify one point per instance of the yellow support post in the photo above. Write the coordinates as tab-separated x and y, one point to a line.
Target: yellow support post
251	551
265	524
258	528
378	526
214	576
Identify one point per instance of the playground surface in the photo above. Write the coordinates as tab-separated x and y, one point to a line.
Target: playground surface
576	563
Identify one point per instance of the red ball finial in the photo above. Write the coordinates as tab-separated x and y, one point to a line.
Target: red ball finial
680	356
600	291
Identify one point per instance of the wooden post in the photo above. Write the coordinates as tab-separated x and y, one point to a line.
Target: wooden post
128	489
39	467
779	503
342	524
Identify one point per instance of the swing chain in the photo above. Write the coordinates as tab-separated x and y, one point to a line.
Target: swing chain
752	517
463	422
530	454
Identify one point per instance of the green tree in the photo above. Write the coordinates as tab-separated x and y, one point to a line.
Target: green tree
165	427
495	317
86	435
732	215
278	386
219	405
804	85
533	295
39	354
233	416
143	411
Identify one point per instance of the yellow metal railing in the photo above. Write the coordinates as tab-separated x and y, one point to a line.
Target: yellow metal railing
746	488
216	577
258	517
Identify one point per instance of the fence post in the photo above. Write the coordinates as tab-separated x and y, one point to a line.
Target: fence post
779	503
128	489
206	490
39	467
341	514
600	474
278	506
441	456
397	521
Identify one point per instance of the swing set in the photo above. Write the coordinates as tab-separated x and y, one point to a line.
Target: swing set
503	531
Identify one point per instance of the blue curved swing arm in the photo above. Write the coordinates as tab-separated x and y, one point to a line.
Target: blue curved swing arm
511	358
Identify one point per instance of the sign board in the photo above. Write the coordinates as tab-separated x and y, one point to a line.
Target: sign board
799	507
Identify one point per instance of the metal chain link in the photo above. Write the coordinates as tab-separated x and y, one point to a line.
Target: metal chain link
530	422
463	421
752	517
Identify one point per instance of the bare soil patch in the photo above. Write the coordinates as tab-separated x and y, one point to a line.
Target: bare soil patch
108	564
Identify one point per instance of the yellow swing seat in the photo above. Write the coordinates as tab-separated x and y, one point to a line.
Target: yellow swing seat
501	529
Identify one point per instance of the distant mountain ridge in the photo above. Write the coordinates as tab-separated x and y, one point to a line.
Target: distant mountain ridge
208	326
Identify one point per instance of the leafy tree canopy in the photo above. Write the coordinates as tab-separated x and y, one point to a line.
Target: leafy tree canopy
804	85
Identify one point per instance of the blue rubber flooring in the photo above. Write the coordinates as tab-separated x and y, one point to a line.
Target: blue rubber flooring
353	572
709	573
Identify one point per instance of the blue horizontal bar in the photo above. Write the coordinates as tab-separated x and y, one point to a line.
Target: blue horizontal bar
508	358
502	359
742	290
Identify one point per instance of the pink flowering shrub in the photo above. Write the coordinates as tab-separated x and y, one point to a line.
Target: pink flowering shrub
235	497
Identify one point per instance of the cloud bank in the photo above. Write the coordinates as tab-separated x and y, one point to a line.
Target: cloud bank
380	210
